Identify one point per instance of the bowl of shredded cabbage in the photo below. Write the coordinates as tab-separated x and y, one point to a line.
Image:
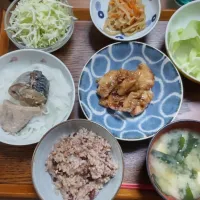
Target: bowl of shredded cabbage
182	40
39	24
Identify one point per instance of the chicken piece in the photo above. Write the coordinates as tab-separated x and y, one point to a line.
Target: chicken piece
131	101
144	101
135	103
15	117
145	78
107	83
104	102
123	74
114	101
127	91
127	84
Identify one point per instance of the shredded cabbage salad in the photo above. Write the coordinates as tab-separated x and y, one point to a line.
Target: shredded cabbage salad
184	44
40	23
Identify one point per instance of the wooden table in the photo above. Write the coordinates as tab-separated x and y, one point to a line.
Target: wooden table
15	171
169	4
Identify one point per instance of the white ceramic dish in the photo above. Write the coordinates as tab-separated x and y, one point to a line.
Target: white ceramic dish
26	58
42	180
99	10
180	19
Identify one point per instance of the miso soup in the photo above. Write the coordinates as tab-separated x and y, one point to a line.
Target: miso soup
175	164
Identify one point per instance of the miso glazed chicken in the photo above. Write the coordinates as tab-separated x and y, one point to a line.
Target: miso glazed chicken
126	91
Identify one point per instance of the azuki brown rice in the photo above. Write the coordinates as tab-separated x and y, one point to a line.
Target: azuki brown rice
80	165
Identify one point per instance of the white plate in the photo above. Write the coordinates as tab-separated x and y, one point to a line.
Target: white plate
26	58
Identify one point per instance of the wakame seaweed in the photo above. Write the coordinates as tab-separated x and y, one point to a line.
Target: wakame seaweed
188	194
164	157
191	143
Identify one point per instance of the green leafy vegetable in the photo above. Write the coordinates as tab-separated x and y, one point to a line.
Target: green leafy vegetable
177	163
184	44
164	157
194	174
39	23
188	194
191	143
181	143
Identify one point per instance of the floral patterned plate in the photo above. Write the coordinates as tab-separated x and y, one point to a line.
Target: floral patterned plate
168	90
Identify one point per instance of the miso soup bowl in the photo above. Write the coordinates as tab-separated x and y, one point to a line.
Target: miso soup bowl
183	124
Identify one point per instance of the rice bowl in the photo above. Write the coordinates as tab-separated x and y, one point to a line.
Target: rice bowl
81	164
43	181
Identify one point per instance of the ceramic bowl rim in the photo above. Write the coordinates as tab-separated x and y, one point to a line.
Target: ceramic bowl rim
59	44
128	39
65	122
150	146
64	67
167	37
135	42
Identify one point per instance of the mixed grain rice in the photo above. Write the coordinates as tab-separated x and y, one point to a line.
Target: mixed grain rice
80	165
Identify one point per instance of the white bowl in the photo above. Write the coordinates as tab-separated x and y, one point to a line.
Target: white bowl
42	180
180	19
99	9
20	60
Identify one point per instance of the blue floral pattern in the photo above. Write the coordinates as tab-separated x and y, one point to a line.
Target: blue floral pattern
101	14
120	37
153	18
167	90
98	6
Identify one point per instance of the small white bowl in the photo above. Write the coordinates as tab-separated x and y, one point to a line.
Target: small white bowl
180	19
99	10
18	61
42	180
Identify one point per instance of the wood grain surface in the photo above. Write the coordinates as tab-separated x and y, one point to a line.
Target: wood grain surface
28	192
81	8
3	37
83	14
15	169
166	4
